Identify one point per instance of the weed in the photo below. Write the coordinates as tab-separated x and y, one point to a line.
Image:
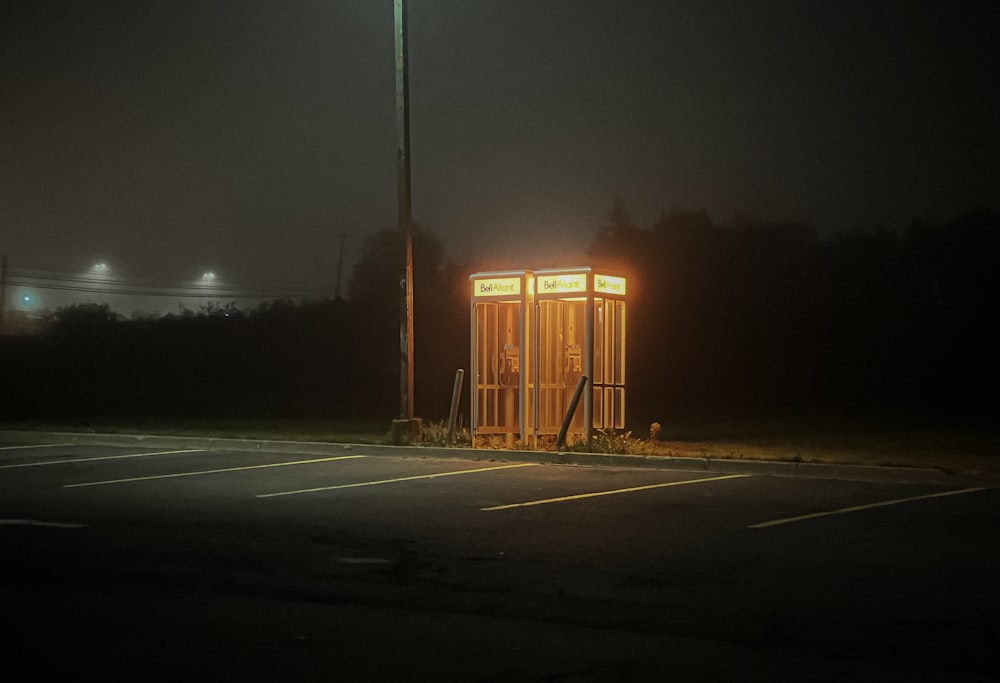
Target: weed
610	441
436	434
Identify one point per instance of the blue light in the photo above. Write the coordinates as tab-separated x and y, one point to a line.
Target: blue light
27	299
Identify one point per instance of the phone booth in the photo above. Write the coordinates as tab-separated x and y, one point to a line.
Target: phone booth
580	331
534	334
501	334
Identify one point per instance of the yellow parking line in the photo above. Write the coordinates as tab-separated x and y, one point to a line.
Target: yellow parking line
580	496
198	472
67	461
859	508
393	481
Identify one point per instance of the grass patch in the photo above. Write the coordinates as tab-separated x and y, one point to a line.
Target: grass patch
949	445
340	430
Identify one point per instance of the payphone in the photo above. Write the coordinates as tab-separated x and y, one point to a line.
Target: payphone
501	304
534	335
581	331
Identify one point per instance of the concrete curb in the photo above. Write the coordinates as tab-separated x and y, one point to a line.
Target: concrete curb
706	465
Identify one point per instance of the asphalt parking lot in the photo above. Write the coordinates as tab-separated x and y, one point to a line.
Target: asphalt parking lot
237	558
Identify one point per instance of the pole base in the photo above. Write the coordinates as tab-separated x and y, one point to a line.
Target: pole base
406	431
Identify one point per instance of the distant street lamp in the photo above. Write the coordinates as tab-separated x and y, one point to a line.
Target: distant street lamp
27	299
100	284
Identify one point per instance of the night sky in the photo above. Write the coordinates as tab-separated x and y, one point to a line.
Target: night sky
246	136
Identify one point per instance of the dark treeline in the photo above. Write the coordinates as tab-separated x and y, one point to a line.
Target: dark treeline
763	318
741	320
330	358
280	359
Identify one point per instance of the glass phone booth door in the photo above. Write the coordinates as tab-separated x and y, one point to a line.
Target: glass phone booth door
580	332
562	347
609	363
500	358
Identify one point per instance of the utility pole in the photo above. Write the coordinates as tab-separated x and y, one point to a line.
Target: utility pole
3	290
405	219
340	268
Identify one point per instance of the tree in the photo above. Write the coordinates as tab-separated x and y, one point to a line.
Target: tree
440	316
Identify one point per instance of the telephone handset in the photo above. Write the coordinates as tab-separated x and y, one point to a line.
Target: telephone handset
510	365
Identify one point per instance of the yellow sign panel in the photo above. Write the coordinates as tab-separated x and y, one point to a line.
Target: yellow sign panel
573	283
609	284
497	286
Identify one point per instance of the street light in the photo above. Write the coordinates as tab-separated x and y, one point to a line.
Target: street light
27	299
100	284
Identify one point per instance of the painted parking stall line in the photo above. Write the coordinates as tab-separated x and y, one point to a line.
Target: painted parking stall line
196	473
42	523
861	508
71	461
612	492
396	480
37	445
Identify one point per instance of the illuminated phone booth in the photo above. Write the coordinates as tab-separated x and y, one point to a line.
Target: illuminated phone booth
580	331
502	306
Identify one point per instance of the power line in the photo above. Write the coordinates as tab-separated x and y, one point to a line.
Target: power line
177	292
